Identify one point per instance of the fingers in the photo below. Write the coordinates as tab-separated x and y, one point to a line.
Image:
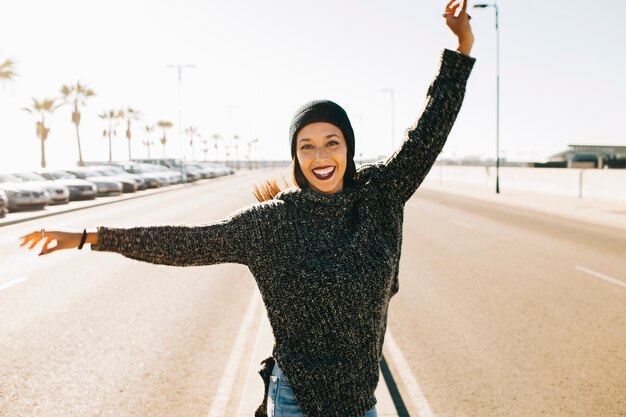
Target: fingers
44	249
451	8
36	240
35	237
27	238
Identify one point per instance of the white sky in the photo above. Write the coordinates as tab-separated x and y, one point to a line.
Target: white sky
562	72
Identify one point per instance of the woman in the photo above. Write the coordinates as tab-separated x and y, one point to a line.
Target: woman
324	254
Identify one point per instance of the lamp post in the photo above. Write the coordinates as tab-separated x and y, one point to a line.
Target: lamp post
393	118
180	111
495	6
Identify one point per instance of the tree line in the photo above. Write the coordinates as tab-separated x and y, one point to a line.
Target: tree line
76	95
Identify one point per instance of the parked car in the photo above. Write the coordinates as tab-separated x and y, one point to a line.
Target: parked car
22	196
112	171
173	164
4	203
58	193
174	176
104	185
151	178
90	174
193	172
219	168
129	185
205	171
79	189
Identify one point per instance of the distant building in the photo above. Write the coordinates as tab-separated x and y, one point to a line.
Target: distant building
589	156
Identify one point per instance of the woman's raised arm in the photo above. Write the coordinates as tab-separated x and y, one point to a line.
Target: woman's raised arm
404	171
231	240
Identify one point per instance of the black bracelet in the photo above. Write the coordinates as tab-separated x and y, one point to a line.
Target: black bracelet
82	239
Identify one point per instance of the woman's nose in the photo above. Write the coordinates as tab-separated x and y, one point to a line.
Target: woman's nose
322	154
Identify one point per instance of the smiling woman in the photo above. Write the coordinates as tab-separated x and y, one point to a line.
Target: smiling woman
322	154
325	255
322	150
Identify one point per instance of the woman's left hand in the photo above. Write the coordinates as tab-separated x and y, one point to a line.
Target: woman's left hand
460	24
64	240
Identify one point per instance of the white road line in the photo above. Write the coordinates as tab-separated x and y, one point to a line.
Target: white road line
461	223
254	362
12	283
225	386
602	276
408	379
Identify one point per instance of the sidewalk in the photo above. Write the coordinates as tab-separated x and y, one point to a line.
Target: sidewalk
611	213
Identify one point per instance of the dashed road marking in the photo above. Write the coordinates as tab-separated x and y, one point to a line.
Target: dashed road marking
12	283
461	223
408	379
602	276
225	386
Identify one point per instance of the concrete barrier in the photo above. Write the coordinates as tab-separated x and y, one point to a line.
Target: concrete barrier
585	183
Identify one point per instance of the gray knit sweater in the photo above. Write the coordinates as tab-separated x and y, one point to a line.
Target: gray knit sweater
326	265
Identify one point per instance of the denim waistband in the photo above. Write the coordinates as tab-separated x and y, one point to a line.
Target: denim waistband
276	371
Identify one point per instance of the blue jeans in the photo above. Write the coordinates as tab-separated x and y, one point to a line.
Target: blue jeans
281	402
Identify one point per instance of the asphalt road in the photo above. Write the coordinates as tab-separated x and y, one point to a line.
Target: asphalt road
501	312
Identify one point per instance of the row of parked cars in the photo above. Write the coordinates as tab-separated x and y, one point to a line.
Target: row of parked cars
29	190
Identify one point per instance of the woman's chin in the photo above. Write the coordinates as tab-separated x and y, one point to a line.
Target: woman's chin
325	188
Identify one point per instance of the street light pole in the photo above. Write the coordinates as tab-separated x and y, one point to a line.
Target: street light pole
180	109
393	118
495	6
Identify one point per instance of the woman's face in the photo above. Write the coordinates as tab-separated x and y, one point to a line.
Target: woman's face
322	153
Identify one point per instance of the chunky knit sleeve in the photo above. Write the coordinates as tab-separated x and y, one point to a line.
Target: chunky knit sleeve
404	171
235	239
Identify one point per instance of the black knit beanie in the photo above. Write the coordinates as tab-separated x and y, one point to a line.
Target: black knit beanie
321	111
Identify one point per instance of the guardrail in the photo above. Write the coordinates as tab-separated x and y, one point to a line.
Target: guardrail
583	183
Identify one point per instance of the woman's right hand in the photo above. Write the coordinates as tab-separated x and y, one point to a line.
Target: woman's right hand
64	240
460	25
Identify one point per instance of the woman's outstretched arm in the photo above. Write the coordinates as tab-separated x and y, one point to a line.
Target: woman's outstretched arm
404	171
231	240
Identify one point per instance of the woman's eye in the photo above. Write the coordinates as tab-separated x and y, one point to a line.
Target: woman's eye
333	142
306	147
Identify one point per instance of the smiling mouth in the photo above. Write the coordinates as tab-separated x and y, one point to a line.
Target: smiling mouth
324	173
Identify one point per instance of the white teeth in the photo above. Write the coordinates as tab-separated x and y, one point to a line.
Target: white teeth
323	171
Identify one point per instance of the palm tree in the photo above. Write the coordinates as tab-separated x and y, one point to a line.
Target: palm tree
236	140
252	153
227	154
205	149
42	108
111	117
7	70
216	137
248	152
131	115
148	129
76	94
256	158
164	125
193	133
